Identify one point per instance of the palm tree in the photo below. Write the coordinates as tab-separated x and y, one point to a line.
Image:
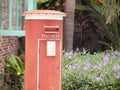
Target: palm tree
69	25
111	10
107	14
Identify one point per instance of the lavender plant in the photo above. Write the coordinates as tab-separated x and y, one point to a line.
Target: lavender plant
85	71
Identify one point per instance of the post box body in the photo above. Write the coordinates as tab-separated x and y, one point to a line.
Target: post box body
43	54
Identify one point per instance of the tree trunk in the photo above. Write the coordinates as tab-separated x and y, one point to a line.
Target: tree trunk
69	25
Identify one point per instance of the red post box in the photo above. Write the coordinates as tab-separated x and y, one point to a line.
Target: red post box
43	49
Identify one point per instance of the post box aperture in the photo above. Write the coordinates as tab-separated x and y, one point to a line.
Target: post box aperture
51	29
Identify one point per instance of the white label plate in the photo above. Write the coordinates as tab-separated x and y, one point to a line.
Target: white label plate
51	48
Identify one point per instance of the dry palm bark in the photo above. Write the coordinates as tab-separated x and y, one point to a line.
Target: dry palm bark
69	25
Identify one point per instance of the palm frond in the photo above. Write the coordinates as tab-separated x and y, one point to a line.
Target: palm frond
111	9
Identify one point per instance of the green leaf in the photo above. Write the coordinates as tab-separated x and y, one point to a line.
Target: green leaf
14	65
82	7
42	1
104	43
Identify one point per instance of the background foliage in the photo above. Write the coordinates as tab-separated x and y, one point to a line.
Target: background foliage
51	4
107	16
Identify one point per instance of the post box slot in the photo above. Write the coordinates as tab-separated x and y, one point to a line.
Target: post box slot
51	29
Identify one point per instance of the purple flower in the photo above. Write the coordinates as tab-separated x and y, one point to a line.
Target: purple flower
98	78
117	76
84	52
87	66
106	57
96	67
100	65
114	57
117	53
77	49
116	67
104	63
69	54
71	66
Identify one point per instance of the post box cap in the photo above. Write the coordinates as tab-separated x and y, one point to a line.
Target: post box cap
42	13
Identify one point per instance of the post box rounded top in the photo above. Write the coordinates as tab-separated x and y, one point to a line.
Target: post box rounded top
43	14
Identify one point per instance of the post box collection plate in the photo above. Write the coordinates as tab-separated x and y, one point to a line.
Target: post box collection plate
51	48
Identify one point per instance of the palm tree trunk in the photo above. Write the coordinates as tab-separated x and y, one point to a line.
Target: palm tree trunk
69	25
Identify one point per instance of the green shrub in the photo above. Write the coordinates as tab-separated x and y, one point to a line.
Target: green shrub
84	71
14	72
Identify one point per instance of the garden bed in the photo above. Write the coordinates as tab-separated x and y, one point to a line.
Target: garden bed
80	71
85	71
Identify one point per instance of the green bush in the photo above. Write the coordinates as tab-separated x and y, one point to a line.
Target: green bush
14	73
81	71
84	71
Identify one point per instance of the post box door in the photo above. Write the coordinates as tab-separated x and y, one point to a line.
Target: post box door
49	65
